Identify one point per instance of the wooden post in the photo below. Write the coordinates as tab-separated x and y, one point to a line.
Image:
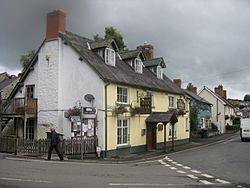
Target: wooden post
172	137
165	142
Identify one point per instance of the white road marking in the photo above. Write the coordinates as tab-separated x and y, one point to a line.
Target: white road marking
206	182
25	180
172	168
174	162
207	175
150	184
160	161
222	181
179	164
195	171
192	176
181	172
163	163
166	157
170	160
186	167
167	165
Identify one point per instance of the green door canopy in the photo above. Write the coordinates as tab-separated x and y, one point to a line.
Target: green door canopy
163	117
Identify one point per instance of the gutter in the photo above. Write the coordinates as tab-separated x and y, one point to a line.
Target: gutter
106	117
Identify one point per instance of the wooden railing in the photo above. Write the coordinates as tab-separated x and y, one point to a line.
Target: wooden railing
40	147
19	106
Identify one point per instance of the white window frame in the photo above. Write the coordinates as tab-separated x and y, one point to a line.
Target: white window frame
138	65
171	102
122	97
110	56
159	72
170	131
122	132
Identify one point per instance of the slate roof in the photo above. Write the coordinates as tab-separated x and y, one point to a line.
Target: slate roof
122	72
164	117
155	62
196	97
102	43
130	54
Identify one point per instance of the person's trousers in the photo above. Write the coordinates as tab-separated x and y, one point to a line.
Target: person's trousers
57	152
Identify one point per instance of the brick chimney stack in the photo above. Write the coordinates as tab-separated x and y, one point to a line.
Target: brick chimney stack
147	49
177	82
56	22
219	90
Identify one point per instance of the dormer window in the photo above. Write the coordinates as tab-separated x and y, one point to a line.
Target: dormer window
110	56
159	72
138	65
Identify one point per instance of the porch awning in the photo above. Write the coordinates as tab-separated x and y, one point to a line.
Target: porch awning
163	117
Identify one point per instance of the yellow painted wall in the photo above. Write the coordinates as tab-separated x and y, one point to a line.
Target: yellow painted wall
137	122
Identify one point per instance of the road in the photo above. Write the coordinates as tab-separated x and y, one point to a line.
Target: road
220	165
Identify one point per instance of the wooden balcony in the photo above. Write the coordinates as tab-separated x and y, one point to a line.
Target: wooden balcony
18	106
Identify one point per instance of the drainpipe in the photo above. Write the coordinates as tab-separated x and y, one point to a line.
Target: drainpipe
106	118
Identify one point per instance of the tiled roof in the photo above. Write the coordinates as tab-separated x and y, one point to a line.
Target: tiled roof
122	72
163	117
130	54
155	62
196	97
101	43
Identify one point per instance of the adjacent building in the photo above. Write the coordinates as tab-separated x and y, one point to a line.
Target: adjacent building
222	110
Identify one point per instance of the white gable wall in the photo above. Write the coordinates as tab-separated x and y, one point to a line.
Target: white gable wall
218	109
76	79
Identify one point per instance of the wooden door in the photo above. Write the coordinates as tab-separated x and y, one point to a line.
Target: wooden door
151	137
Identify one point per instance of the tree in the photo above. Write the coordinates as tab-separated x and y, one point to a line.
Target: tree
111	32
189	87
25	60
247	97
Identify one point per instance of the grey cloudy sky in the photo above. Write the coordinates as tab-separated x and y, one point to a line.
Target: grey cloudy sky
205	42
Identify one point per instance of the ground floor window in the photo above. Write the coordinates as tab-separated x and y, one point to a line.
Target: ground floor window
170	130
30	129
122	132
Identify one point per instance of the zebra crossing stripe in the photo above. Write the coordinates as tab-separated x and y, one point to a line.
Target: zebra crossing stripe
206	182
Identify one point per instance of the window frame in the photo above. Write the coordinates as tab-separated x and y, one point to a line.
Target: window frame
30	91
121	96
138	65
159	72
171	102
122	132
109	56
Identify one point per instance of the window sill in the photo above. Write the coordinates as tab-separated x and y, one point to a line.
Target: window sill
123	146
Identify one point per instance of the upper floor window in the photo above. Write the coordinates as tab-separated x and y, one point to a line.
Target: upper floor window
122	94
30	89
110	56
159	72
170	101
138	65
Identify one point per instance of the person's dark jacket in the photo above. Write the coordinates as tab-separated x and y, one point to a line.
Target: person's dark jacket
54	138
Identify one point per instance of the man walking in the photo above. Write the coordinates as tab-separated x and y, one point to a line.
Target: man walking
54	141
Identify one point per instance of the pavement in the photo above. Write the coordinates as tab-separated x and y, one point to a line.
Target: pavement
150	155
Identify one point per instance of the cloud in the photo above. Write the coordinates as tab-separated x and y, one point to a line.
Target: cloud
203	42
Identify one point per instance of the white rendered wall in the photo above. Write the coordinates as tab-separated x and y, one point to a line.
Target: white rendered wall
76	79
